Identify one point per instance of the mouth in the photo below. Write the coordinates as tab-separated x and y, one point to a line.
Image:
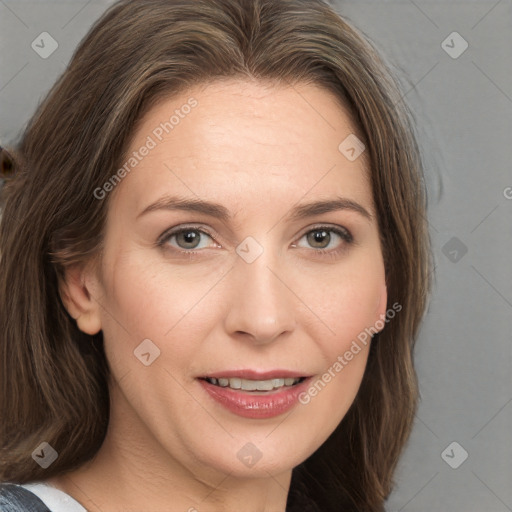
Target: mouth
255	394
254	386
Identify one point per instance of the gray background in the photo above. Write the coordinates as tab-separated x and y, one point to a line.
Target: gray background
463	109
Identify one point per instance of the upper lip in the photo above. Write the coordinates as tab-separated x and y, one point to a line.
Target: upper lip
255	374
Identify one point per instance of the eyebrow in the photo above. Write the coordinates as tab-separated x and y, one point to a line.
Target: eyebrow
222	213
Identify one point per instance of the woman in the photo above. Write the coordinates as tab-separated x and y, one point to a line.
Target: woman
214	265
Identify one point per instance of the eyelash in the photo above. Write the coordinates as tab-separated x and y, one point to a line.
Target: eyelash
343	233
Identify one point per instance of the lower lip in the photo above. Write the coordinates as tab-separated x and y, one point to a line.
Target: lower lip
251	405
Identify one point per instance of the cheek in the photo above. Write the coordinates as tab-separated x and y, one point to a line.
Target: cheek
145	301
352	312
348	304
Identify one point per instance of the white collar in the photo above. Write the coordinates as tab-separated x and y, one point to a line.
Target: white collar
55	499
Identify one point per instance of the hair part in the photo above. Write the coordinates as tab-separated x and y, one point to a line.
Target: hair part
53	377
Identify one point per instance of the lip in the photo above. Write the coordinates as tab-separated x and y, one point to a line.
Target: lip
256	405
255	374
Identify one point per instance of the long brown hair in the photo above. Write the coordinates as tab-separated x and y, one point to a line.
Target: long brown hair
53	380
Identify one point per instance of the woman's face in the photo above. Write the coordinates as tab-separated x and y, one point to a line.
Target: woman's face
259	287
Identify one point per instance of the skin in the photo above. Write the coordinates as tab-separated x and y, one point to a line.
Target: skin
259	150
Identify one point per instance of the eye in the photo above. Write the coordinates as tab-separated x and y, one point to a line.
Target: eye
326	238
186	239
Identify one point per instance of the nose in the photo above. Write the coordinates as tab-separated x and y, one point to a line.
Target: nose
261	305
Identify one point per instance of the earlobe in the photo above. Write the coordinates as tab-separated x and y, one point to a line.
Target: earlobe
75	292
89	323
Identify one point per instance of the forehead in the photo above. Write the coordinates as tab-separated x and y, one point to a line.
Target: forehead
232	139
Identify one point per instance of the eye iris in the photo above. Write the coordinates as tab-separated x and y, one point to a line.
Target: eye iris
319	236
189	237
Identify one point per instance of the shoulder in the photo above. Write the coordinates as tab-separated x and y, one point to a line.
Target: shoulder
15	498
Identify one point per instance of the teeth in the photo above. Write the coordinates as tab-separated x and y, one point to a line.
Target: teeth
277	383
234	383
253	385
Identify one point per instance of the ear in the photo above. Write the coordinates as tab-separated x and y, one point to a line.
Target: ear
76	291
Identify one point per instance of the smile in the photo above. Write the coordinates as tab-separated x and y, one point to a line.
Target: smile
257	395
254	385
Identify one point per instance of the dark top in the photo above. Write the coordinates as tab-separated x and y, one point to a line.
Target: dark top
14	498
